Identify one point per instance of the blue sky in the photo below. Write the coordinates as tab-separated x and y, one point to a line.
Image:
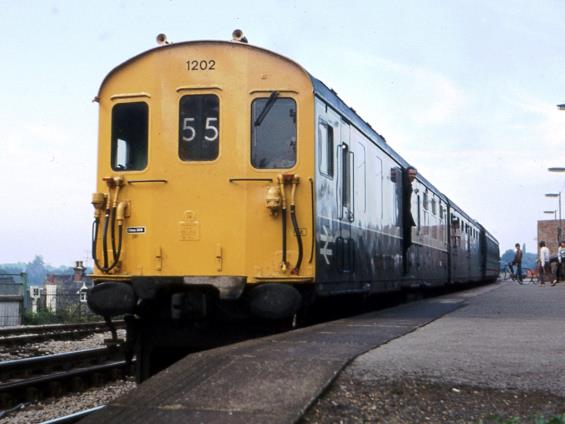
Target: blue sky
465	90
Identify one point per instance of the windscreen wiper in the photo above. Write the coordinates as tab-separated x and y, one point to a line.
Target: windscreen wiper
267	108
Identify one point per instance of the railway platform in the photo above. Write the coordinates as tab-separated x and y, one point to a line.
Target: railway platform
454	358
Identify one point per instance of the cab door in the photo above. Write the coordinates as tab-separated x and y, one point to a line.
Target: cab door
345	249
271	245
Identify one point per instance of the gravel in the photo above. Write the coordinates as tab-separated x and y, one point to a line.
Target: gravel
49	347
351	400
48	409
42	411
500	359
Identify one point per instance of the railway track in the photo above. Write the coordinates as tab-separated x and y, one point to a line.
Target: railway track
29	379
76	417
37	333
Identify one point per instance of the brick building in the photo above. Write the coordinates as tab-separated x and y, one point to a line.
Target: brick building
547	231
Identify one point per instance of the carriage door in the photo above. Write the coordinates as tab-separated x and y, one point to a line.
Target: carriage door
345	163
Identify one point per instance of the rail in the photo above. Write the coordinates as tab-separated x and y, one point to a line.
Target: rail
28	379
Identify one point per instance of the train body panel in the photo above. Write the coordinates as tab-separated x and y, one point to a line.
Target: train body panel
179	190
232	183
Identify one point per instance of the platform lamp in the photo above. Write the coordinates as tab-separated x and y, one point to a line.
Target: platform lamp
552	212
558	169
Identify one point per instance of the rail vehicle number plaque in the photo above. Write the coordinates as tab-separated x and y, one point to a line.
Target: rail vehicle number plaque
201	65
136	230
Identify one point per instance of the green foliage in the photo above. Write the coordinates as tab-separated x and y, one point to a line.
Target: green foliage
42	317
497	419
62	316
37	270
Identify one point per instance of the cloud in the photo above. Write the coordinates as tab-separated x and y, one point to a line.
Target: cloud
549	121
50	173
430	97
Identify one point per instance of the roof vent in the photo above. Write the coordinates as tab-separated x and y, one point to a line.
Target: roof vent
162	39
237	35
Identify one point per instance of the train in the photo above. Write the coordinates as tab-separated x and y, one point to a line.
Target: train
232	184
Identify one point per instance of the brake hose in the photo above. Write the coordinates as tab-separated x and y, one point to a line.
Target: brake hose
295	224
283	218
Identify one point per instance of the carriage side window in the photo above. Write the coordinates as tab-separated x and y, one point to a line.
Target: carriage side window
360	179
199	127
326	149
129	136
273	132
346	177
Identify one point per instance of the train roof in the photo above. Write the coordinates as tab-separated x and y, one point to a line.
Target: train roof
330	96
320	90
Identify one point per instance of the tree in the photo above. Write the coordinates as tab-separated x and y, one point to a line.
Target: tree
36	270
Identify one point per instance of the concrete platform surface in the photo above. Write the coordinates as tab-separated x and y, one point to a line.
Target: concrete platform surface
498	359
273	379
512	337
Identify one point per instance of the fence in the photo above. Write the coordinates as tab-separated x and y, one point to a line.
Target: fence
11	300
45	308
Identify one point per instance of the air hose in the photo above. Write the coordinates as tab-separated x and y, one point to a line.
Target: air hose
280	179
114	212
116	252
296	268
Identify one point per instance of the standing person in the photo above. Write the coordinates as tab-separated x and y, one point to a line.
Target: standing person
407	218
518	262
560	262
544	264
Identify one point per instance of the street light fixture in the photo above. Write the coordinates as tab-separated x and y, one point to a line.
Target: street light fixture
558	195
554	214
556	169
561	107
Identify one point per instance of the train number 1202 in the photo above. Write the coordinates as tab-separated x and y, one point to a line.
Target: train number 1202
201	65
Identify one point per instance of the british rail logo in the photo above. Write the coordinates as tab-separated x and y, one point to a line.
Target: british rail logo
136	230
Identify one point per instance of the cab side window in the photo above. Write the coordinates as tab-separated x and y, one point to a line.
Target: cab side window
273	132
130	122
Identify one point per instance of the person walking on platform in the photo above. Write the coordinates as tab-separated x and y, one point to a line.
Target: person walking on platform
518	262
544	264
560	262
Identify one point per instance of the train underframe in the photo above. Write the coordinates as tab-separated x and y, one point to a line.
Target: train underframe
166	319
169	318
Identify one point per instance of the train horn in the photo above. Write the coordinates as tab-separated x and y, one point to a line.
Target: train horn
162	39
237	35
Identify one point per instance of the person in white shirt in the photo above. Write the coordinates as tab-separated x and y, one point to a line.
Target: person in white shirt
544	264
560	262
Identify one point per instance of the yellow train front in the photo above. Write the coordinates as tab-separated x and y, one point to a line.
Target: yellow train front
204	202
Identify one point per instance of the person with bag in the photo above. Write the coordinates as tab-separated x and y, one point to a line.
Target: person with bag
544	263
560	270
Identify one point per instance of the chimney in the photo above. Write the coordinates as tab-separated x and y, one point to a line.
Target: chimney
79	270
